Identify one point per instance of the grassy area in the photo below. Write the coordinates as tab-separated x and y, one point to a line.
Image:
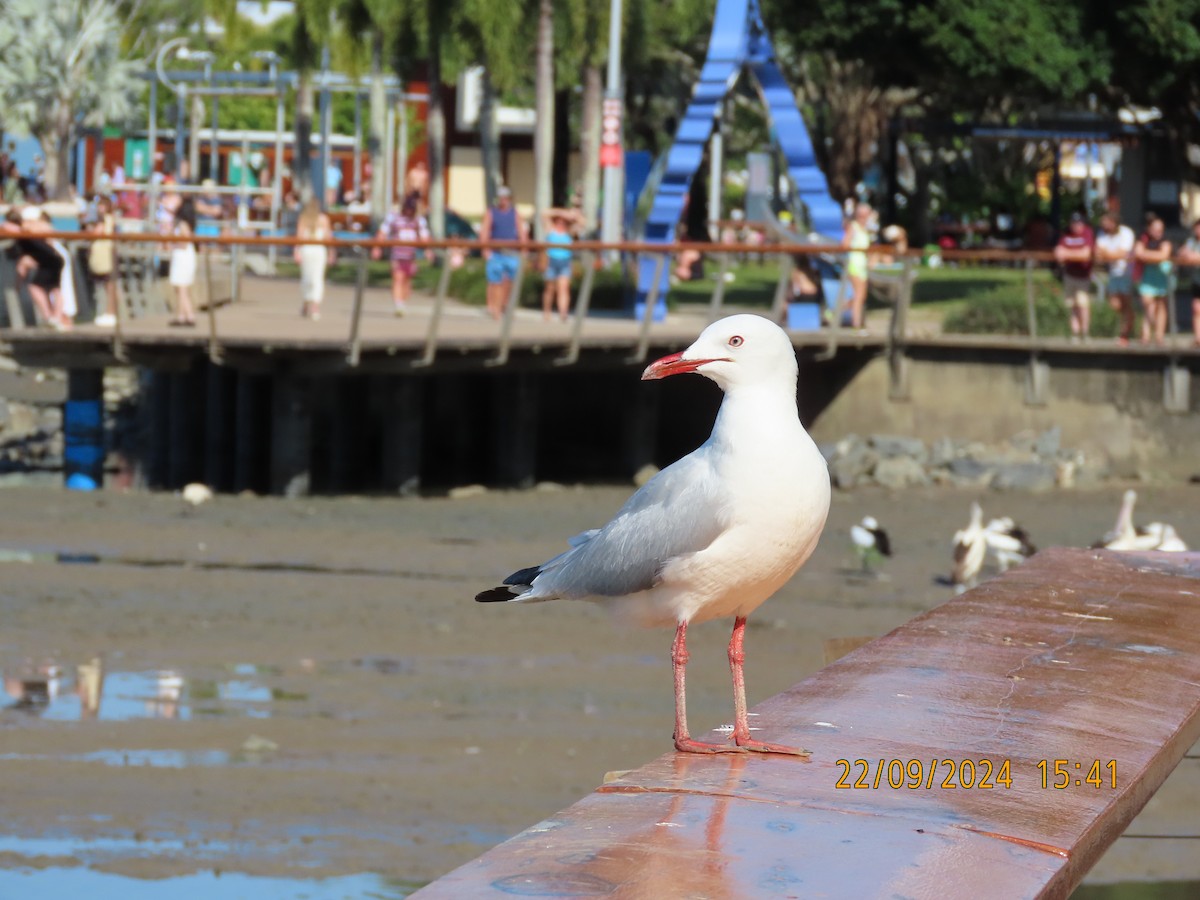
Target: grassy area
992	300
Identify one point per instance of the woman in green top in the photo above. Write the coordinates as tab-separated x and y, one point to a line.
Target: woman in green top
1152	253
856	240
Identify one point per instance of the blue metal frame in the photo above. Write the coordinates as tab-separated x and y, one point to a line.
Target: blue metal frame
739	41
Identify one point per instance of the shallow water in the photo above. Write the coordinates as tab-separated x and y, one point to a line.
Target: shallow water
49	692
83	882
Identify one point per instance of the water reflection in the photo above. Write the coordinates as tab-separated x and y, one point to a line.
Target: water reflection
93	693
80	882
26	873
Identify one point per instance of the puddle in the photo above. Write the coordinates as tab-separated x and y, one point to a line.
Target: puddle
81	882
43	556
89	692
29	875
154	759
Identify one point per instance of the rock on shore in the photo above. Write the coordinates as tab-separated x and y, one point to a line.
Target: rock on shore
1026	462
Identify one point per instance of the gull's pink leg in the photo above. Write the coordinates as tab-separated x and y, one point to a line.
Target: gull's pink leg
741	723
683	741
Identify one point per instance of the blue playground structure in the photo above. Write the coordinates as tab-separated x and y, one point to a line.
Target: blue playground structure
739	42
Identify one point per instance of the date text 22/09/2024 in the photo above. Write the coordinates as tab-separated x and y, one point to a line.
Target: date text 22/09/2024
982	774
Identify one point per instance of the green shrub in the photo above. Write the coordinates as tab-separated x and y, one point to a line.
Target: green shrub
1004	310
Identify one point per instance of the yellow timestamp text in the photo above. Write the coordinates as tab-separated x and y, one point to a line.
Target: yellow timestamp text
920	774
1060	774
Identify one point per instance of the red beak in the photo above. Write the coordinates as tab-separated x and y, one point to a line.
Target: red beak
674	364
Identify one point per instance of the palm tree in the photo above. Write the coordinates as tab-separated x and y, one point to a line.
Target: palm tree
492	36
543	135
60	68
310	33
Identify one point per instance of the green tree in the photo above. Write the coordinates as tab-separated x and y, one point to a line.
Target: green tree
492	36
543	134
60	68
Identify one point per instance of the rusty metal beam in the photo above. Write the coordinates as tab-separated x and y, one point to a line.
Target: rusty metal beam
1079	655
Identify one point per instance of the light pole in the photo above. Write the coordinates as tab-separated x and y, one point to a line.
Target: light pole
179	45
197	112
614	171
271	58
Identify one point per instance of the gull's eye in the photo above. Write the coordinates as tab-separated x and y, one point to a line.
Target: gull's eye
736	341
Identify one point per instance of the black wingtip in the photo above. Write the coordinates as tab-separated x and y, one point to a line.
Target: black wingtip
514	585
524	577
495	595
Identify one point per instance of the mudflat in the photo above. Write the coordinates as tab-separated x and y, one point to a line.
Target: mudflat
306	687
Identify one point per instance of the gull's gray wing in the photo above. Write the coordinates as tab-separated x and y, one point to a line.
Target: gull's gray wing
679	511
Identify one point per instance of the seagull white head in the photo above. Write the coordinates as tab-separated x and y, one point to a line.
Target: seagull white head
735	351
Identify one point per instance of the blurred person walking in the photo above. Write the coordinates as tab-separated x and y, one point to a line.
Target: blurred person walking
501	222
182	267
1114	246
557	289
102	263
1189	255
405	225
1152	252
312	258
1074	254
856	240
39	265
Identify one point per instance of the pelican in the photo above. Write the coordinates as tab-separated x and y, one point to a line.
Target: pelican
970	547
1009	542
1126	536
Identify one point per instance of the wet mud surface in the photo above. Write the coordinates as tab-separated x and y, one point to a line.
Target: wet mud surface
303	692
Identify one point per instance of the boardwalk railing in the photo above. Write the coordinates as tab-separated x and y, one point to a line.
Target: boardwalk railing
991	748
894	280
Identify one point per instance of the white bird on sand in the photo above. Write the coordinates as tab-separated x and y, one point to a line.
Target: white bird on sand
717	532
196	493
870	541
1008	541
1126	536
970	548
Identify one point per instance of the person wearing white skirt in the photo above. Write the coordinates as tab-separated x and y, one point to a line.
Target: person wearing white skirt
182	272
313	258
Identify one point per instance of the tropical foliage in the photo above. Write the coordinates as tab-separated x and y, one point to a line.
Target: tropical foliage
858	67
60	69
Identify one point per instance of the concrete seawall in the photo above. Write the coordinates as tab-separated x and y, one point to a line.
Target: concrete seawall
1110	407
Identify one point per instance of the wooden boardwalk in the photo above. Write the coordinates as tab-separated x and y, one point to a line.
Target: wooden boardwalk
265	324
266	321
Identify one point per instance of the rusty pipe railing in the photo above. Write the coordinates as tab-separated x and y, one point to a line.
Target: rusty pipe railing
435	318
582	304
360	285
896	336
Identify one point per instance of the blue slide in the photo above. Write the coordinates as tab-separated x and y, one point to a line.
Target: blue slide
739	40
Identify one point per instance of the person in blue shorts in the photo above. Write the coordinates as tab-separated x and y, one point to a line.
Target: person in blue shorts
559	224
501	222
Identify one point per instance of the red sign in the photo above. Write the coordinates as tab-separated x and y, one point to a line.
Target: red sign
610	156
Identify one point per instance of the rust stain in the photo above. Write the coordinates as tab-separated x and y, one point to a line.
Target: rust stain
1013	839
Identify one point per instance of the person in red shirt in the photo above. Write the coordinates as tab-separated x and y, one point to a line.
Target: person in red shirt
1074	254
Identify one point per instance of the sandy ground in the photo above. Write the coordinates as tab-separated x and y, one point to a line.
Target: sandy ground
347	708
